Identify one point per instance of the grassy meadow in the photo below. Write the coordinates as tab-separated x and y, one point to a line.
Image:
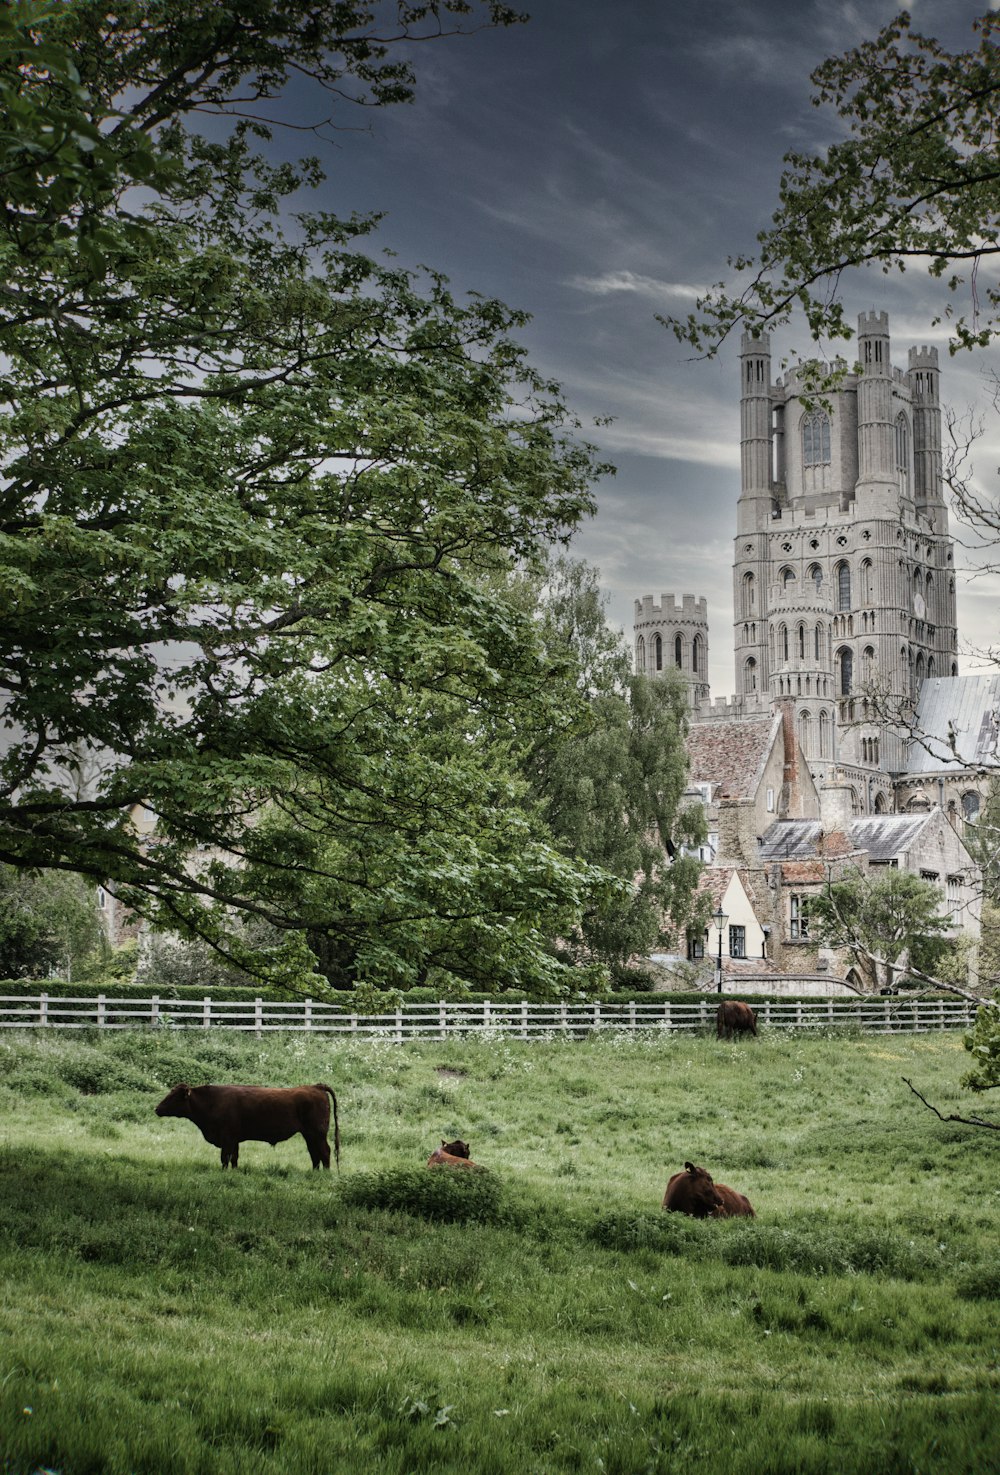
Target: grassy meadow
161	1317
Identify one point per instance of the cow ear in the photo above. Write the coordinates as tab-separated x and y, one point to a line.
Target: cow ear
691	1167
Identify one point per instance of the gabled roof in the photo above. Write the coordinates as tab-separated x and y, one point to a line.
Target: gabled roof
885	836
731	755
957	723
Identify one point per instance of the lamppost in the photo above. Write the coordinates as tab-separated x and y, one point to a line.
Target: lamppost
720	918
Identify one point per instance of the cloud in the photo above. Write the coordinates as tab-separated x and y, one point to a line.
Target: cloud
629	281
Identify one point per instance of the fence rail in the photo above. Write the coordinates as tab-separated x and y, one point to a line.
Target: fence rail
440	1021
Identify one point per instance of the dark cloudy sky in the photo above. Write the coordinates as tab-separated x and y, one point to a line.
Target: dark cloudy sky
598	165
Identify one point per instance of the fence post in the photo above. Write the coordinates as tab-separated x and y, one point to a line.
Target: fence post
486	1014
563	1016
524	1019
258	1015
102	1013
307	1015
399	1025
597	1016
631	1015
43	1009
206	1011
443	1019
154	1011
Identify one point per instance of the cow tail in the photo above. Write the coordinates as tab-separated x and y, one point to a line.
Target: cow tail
336	1120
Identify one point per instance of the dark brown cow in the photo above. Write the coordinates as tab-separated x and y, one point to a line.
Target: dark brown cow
229	1115
734	1205
693	1192
734	1019
446	1157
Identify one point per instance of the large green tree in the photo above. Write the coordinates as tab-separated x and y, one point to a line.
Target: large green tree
909	178
49	923
255	488
611	784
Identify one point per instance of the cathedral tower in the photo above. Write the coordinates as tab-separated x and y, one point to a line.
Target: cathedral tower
671	635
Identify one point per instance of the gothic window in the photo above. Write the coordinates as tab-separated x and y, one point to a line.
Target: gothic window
816	439
658	652
919	669
802	641
868	659
843	586
749	595
640	654
678	651
970	805
750	675
696	659
783	639
816	574
867	582
824	735
845	670
930	667
805	732
788	579
880	804
903	450
818	642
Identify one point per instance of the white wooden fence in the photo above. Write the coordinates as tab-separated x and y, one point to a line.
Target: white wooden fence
440	1021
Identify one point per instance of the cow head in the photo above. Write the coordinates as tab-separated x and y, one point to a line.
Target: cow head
176	1102
458	1148
705	1197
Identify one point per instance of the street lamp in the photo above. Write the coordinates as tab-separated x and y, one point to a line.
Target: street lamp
720	918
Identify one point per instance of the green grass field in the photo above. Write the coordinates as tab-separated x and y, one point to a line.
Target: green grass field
161	1317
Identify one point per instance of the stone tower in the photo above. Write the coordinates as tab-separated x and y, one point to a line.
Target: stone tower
844	595
668	635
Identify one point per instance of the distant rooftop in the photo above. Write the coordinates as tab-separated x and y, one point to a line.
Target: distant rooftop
957	723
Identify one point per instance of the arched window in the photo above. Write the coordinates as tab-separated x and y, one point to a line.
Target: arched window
805	732
903	450
801	641
818	641
867	581
749	594
816	574
930	667
696	658
824	735
658	652
815	439
868	663
787	578
845	670
640	654
783	642
750	675
880	804
919	669
843	586
678	651
970	805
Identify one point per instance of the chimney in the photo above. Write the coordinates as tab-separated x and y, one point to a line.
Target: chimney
790	806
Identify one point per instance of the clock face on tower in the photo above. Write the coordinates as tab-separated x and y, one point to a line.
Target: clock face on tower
919	608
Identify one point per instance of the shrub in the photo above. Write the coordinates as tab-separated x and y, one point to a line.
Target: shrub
444	1195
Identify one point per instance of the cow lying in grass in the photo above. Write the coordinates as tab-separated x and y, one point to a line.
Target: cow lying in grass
451	1155
694	1192
229	1115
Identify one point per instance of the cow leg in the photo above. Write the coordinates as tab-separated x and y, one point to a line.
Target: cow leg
319	1150
230	1154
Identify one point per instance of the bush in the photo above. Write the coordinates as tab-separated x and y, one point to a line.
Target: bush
443	1195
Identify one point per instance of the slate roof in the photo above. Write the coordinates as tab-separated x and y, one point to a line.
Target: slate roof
957	721
883	836
791	839
731	755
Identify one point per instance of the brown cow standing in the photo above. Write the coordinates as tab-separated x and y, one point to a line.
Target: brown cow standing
734	1019
694	1192
446	1156
229	1115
